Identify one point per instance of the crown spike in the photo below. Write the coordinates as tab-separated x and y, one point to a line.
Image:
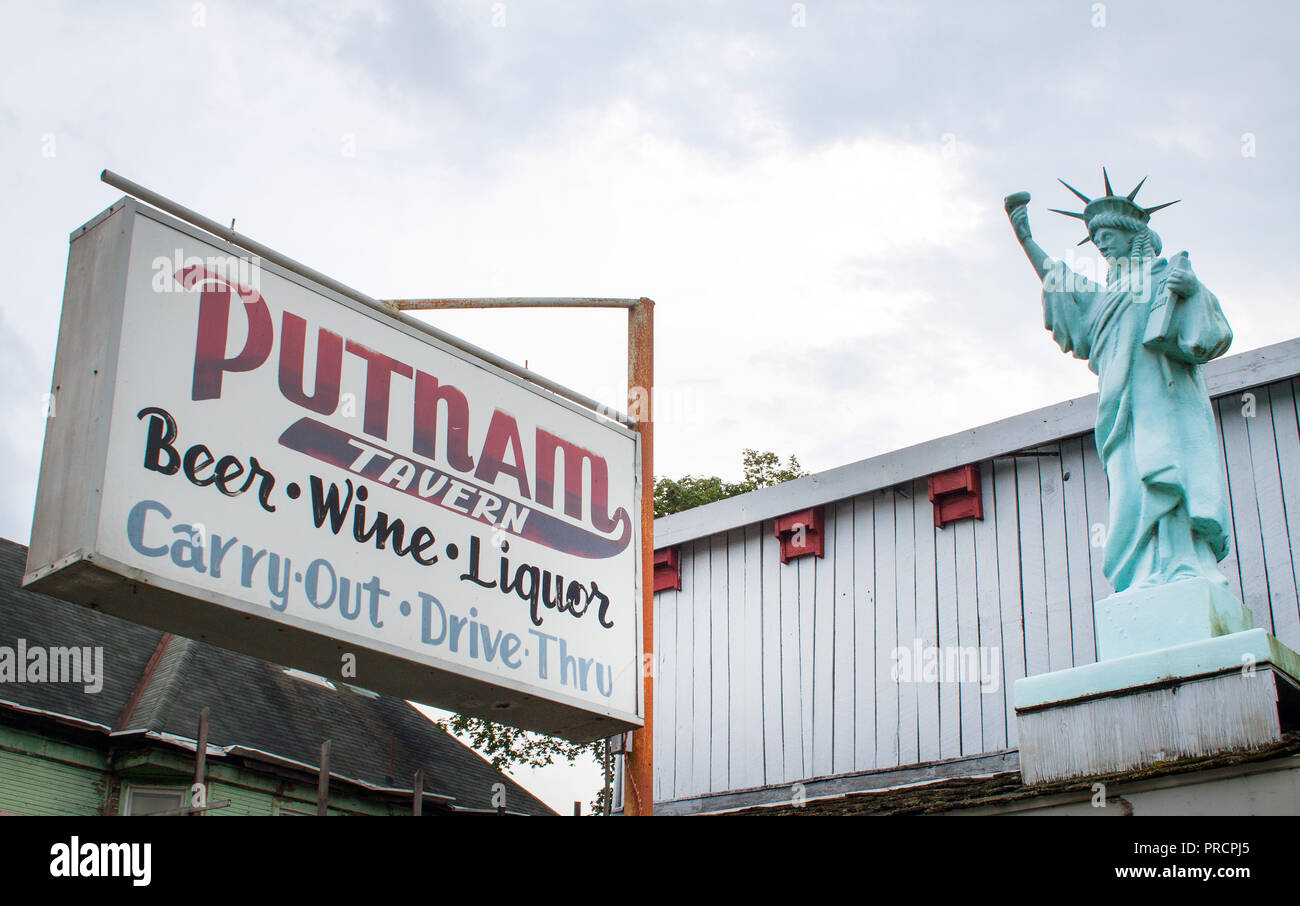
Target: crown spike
1106	179
1086	199
1083	241
1073	214
1133	194
1150	211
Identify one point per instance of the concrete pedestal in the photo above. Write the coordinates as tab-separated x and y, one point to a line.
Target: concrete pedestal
1231	692
1147	619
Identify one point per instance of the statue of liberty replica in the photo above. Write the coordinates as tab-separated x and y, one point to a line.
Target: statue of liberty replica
1146	328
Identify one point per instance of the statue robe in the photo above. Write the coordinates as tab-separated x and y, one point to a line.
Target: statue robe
1156	432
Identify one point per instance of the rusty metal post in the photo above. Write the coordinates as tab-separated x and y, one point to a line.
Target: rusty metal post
638	796
323	783
639	774
201	757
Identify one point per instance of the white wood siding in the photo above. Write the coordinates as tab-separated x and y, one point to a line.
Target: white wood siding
770	674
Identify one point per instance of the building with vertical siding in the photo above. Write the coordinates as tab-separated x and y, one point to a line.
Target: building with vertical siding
791	678
128	746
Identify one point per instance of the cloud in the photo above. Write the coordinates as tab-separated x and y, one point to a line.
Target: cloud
816	210
24	400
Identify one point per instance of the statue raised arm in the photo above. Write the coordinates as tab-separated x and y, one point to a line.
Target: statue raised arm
1017	208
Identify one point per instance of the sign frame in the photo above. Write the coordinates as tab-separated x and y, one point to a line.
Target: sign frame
63	560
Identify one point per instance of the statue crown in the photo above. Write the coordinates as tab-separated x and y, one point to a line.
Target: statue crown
1111	208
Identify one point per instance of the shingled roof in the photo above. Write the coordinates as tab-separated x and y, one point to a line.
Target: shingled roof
256	707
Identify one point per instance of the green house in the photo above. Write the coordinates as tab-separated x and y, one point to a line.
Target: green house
99	716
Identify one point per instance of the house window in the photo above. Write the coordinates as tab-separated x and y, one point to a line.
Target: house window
141	800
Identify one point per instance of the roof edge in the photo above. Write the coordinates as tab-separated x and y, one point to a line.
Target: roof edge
57	716
1018	432
215	751
241	751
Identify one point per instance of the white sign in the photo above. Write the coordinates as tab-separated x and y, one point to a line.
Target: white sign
289	472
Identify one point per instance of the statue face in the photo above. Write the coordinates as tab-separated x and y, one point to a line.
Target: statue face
1113	243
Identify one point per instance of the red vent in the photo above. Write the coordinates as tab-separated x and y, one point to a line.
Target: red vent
802	534
956	495
668	569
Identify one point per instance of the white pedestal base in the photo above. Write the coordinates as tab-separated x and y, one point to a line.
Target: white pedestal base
1233	692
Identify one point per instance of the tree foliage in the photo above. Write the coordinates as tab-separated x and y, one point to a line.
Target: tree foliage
508	747
760	470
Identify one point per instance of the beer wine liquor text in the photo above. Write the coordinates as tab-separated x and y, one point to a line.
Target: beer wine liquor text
275	446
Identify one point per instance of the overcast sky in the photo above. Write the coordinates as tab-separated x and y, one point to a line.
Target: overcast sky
811	192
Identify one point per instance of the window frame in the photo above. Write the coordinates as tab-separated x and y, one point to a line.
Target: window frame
128	800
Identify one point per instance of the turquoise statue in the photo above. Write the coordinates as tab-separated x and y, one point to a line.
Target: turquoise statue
1146	328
